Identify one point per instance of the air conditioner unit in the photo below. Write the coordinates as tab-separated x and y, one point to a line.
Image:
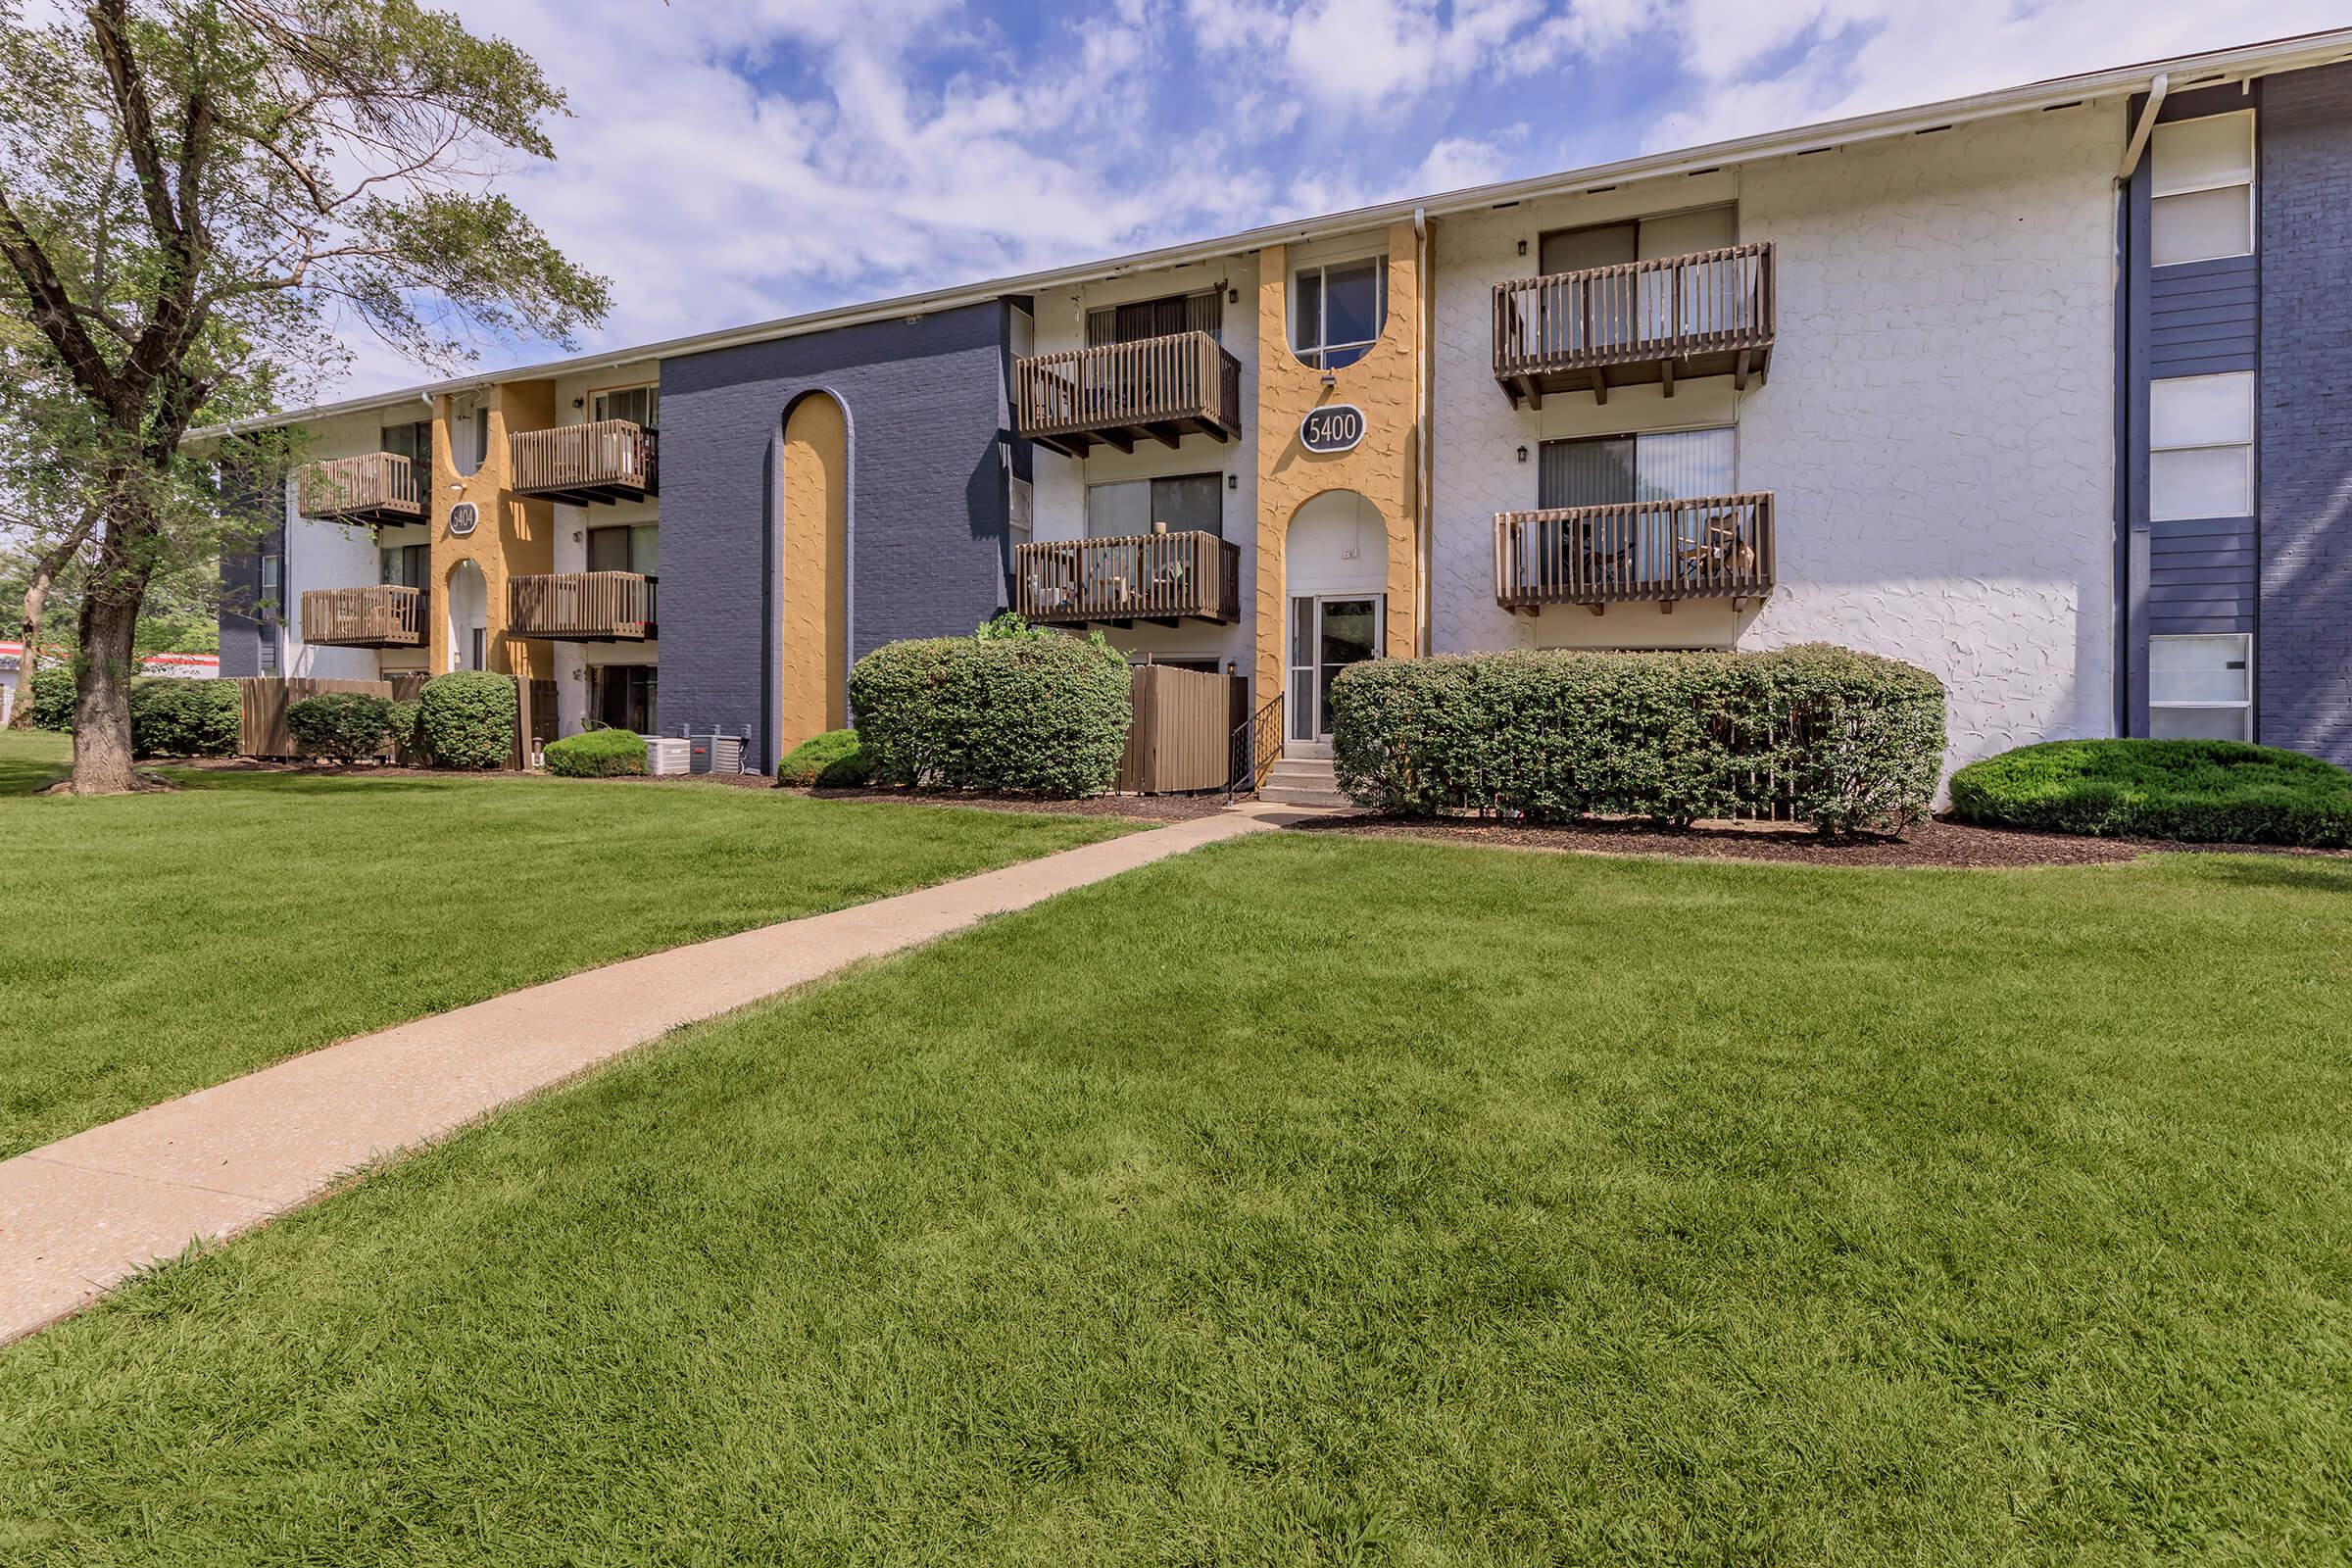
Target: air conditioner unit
715	754
665	755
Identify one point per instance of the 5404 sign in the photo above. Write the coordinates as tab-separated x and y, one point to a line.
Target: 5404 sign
1334	428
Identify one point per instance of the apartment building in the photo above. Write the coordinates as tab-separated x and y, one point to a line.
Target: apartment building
2036	390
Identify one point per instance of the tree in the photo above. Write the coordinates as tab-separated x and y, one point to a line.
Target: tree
195	197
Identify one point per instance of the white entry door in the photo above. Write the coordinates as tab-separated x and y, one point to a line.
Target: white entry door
1327	634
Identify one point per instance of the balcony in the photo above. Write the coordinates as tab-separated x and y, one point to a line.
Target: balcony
1642	323
1161	388
377	617
1160	577
583	607
377	488
609	461
1650	552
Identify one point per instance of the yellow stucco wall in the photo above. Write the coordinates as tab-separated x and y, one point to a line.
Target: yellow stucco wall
514	537
815	593
1385	384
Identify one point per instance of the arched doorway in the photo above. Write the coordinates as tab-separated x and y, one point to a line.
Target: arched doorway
465	601
1335	562
814	553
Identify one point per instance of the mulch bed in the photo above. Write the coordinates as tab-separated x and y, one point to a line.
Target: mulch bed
1941	842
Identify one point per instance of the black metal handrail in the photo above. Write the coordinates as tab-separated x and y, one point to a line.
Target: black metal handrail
1250	759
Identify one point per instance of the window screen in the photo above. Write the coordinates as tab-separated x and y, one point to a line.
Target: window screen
1180	503
1338	310
2201	688
2202	447
2202	185
625	549
1613	470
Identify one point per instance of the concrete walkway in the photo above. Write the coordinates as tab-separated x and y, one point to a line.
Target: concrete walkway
80	1215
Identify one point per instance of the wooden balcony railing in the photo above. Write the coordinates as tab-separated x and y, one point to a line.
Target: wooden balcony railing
1715	547
1706	313
583	607
375	487
1158	387
1164	577
608	459
380	615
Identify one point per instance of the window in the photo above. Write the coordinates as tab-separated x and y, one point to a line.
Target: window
2201	688
1021	511
1612	470
407	565
1572	320
1338	310
469	435
413	441
626	548
623	696
1182	503
2201	181
641	406
2202	447
266	647
271	605
1157	317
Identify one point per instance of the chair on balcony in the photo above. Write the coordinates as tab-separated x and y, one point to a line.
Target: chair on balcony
1606	552
1721	550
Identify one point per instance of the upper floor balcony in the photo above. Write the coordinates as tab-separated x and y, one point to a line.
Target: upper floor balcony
1653	552
1162	577
1636	324
377	488
1162	388
583	607
605	459
377	615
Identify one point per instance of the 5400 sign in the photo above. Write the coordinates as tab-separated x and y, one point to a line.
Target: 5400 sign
1335	428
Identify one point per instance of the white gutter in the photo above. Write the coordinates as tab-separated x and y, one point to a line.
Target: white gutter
2263	58
2140	132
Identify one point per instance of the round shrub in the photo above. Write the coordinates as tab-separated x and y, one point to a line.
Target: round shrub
1042	713
185	717
805	762
467	717
53	698
852	772
1815	734
343	725
2208	792
596	753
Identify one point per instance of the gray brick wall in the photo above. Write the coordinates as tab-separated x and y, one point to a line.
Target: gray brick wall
2304	640
927	500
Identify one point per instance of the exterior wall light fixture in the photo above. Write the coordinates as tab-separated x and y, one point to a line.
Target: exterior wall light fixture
1523	247
1522	454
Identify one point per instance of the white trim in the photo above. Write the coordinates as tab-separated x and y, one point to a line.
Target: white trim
2195	70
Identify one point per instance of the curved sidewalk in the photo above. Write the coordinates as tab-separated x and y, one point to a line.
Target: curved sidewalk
82	1214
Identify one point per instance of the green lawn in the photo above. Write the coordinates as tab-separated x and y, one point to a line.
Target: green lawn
154	944
1310	1200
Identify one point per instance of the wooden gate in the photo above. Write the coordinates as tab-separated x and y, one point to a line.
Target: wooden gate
1182	733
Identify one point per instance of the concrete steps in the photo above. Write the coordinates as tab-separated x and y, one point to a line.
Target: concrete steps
1301	780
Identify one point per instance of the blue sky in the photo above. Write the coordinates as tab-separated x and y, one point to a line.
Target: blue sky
731	161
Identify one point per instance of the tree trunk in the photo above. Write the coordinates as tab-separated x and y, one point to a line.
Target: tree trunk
110	622
36	600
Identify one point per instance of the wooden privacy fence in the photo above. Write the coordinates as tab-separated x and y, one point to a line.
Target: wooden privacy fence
1181	737
262	703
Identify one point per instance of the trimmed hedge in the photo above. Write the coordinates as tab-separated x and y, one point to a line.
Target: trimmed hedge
596	753
53	698
1838	739
183	718
400	728
467	718
1034	712
2208	792
343	725
813	758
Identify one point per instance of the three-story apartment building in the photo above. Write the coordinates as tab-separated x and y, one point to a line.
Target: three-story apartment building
2037	389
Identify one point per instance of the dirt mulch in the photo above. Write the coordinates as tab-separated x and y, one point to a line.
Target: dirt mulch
1941	842
1132	807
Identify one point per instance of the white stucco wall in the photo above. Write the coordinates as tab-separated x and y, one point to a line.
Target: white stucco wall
329	555
1060	482
1936	430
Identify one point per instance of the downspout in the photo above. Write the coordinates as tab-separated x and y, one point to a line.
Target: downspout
2128	588
1423	511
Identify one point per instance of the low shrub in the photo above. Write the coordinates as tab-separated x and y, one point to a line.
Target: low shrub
400	728
852	772
2211	792
343	725
467	718
1824	735
185	717
1031	711
596	753
805	762
53	698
